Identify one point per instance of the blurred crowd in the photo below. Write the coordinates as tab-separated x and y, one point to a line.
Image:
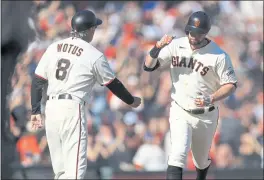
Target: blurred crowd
121	138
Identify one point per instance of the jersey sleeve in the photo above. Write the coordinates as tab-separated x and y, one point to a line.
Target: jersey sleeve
103	72
41	70
165	54
226	71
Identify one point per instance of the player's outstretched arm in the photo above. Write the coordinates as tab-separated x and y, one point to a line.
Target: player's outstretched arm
223	92
36	93
118	89
36	96
106	77
152	61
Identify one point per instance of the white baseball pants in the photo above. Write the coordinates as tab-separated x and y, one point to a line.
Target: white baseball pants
66	132
191	131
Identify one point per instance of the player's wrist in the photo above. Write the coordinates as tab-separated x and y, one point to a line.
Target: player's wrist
212	99
154	52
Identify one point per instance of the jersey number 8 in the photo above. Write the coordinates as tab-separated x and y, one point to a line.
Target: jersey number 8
62	67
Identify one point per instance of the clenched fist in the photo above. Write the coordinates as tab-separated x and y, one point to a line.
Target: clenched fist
166	39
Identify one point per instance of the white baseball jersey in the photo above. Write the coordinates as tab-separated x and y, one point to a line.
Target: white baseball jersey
73	66
192	72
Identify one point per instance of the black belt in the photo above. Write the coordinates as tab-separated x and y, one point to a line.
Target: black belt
201	110
61	96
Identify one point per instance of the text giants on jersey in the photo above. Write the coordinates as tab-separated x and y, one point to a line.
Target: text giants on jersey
68	48
193	64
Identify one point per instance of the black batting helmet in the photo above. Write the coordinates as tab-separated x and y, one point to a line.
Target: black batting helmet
199	22
84	20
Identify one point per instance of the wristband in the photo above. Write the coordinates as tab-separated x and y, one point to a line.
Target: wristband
154	52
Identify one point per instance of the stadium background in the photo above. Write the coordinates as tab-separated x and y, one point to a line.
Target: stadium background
117	134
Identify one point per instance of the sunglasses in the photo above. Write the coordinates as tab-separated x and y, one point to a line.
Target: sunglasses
195	34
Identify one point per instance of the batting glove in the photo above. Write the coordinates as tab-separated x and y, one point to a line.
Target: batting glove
203	100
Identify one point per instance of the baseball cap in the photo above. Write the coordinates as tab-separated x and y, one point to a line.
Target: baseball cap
130	118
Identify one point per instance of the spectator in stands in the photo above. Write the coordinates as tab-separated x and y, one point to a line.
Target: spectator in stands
132	139
231	128
150	156
28	148
250	151
225	158
43	146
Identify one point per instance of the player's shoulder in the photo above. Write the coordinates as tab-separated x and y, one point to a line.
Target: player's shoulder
217	50
88	48
94	50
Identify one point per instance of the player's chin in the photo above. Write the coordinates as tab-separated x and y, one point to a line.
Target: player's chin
193	42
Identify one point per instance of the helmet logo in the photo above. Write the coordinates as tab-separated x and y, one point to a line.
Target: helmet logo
196	22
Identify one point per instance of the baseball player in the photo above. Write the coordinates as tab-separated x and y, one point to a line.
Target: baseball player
71	67
202	74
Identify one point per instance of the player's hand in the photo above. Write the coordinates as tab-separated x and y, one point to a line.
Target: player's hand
165	40
203	100
136	103
36	121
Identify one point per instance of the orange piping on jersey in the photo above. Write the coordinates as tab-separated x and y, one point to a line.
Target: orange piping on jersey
79	142
40	77
109	82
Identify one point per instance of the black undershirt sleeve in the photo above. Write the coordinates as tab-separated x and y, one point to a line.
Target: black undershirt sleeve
36	94
151	69
118	89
